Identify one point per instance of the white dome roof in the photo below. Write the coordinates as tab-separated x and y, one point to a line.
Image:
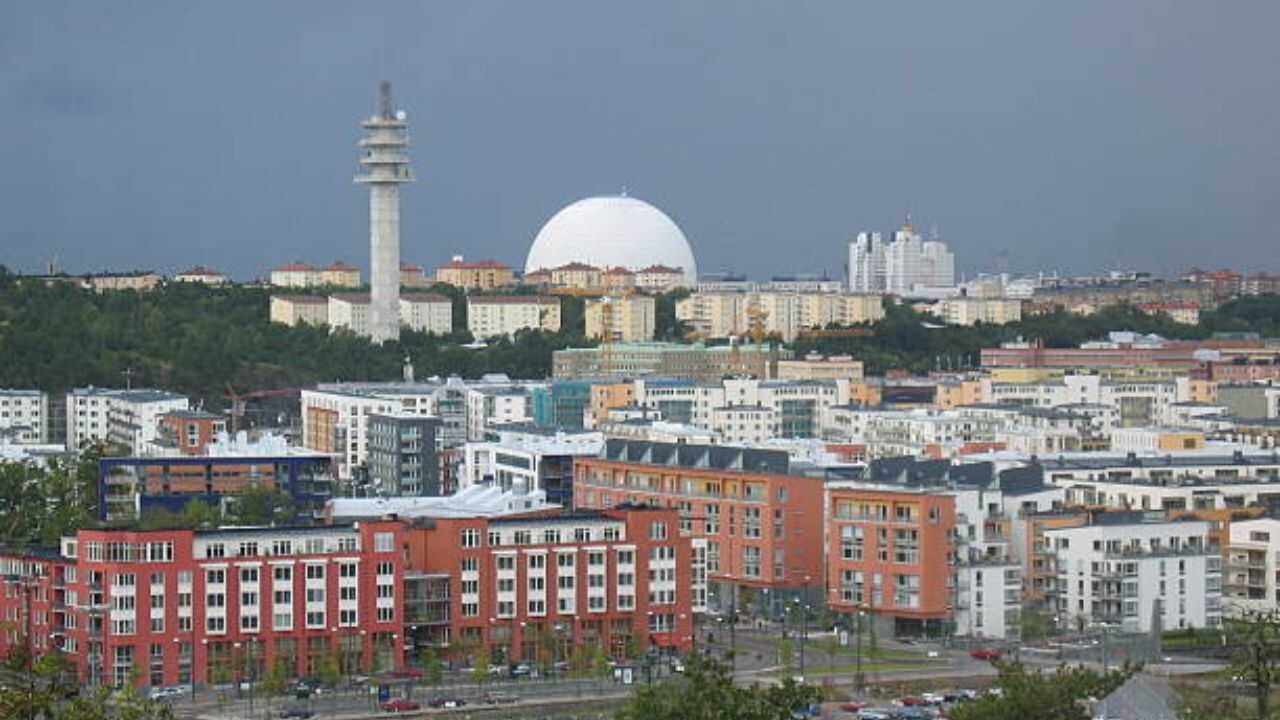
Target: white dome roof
611	232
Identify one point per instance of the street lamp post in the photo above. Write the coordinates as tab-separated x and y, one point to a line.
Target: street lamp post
857	673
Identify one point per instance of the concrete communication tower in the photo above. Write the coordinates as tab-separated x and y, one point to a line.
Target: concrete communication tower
386	168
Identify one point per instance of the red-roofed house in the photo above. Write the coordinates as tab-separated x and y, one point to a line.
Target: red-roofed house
412	276
480	275
340	274
659	278
294	274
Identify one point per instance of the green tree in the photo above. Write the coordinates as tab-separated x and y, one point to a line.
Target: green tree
1257	662
1059	695
277	680
200	514
480	665
600	663
706	691
257	505
330	668
786	655
432	668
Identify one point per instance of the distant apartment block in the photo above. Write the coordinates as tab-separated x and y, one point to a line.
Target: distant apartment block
24	417
621	319
503	315
128	418
201	275
426	312
972	311
692	361
300	309
717	315
475	275
404	455
300	275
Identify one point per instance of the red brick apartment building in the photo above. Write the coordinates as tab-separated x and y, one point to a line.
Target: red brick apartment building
183	607
535	587
762	526
890	554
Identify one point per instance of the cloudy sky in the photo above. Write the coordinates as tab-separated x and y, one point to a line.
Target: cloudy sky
1076	136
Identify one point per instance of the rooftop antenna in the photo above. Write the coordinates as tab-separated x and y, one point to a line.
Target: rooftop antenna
384	93
128	378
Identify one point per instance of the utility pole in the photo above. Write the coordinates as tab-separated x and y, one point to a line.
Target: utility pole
128	378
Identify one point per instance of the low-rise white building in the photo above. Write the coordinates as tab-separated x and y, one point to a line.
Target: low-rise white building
349	311
1253	567
426	313
24	416
129	418
743	424
536	461
496	315
1125	569
490	407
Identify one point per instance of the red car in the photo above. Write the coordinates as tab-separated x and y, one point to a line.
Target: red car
912	701
853	706
407	673
400	705
985	654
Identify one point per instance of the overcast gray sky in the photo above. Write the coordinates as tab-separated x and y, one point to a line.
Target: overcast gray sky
1073	135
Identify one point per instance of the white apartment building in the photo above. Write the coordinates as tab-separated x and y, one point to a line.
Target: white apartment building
491	407
494	315
743	424
623	319
349	311
426	313
899	267
24	417
1122	572
988	582
1253	567
1138	402
1195	480
130	418
920	432
797	405
717	315
335	415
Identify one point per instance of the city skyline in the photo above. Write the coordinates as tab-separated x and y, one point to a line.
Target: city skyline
1072	139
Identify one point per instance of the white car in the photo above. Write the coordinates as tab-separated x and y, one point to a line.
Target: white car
933	698
159	693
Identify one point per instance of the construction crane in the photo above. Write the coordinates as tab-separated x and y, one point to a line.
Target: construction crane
239	401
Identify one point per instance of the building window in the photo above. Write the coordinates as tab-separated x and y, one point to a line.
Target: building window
384	542
657	531
470	538
751	561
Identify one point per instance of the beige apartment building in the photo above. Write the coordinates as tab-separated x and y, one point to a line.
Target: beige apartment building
479	275
817	367
971	311
493	315
786	315
300	309
623	319
577	275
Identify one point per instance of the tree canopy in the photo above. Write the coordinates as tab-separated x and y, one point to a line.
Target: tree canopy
706	691
1030	695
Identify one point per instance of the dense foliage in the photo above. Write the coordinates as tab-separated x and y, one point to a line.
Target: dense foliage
39	506
50	692
914	341
200	340
706	691
1031	695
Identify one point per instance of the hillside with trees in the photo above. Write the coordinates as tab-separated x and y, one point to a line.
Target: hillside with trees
199	340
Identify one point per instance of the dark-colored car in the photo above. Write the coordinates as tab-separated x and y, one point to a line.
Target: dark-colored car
295	713
399	705
446	701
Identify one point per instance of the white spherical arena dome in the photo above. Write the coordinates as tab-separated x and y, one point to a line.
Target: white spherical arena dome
616	231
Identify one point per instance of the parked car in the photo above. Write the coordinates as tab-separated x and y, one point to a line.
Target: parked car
875	714
912	701
295	712
853	706
521	670
446	701
499	698
985	654
160	693
933	698
399	705
408	673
